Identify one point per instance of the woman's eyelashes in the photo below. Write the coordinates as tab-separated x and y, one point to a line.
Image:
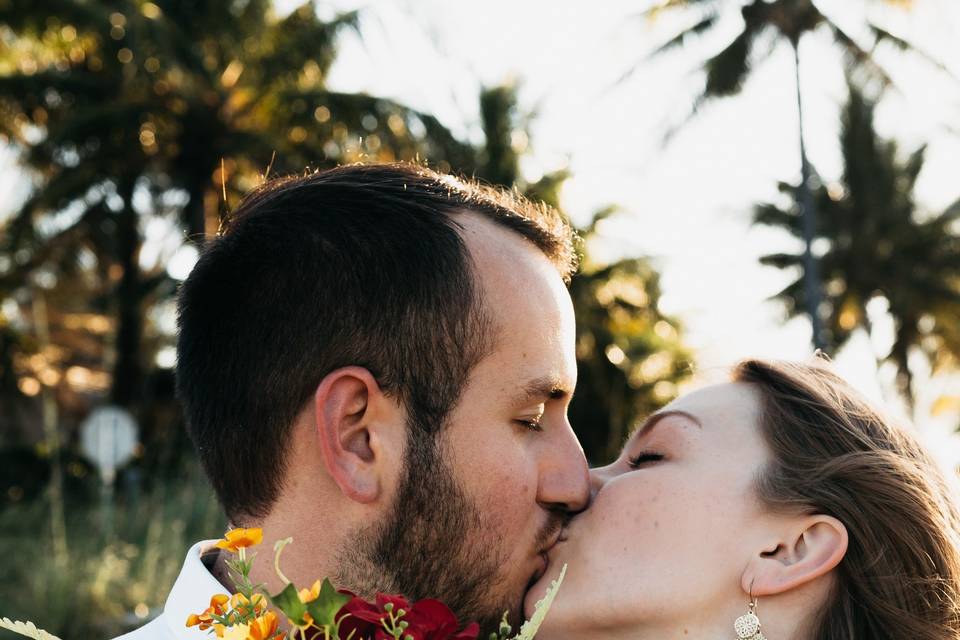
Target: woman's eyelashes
644	458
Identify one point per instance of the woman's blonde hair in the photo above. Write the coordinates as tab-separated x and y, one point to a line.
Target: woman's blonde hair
834	454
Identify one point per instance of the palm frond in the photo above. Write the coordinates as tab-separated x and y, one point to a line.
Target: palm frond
727	70
51	247
770	215
782	260
882	35
858	55
704	24
28	15
913	167
666	6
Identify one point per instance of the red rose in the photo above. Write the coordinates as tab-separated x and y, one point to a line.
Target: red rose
426	619
433	620
360	618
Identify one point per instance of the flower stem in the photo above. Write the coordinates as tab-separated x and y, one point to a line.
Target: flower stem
278	549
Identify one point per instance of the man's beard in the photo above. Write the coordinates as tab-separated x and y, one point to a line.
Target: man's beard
436	544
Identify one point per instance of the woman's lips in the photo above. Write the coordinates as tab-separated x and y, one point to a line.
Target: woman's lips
541	569
545	555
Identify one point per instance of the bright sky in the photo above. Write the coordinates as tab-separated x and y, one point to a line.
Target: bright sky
686	205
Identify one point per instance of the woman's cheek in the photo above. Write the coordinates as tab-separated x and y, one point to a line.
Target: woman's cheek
622	515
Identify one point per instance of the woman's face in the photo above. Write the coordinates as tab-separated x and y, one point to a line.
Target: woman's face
672	524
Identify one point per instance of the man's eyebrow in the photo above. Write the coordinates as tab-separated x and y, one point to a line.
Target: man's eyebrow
545	388
647	425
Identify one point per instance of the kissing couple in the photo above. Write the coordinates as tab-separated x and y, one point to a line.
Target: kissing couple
377	361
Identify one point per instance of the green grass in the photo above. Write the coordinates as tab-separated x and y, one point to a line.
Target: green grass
109	583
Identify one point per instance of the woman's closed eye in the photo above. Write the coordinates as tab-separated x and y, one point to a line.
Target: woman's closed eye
644	458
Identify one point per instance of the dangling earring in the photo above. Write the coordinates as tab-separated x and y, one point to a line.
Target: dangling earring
748	625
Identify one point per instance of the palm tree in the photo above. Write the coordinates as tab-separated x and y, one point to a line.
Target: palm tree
880	244
131	110
765	22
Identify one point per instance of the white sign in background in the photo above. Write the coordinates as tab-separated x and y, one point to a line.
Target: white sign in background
109	438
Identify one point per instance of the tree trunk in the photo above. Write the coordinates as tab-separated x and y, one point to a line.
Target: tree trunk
128	370
195	215
900	354
811	276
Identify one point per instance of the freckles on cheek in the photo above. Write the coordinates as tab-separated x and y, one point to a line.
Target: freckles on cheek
630	515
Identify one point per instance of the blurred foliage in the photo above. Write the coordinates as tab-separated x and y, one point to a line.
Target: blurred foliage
880	244
630	355
129	114
763	25
139	124
115	579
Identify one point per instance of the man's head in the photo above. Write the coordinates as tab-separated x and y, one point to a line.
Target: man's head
355	355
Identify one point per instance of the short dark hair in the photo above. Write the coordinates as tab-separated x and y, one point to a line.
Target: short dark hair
359	265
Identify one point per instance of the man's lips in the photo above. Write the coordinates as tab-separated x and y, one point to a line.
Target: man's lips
544	555
554	539
544	564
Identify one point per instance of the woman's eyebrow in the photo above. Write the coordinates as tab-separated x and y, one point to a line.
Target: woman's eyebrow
647	425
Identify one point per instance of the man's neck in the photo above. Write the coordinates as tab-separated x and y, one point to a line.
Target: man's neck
221	572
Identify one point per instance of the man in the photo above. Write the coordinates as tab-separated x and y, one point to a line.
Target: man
377	361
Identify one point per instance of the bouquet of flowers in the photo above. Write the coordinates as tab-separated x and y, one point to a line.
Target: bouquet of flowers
321	612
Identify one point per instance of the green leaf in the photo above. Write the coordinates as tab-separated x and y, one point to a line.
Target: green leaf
328	603
288	601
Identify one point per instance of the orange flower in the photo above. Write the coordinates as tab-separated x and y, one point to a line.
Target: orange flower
205	620
236	539
266	627
241	604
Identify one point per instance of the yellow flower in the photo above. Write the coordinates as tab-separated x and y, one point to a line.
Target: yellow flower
236	632
240	603
308	595
205	620
236	539
265	627
311	594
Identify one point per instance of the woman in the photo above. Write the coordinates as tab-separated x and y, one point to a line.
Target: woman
783	489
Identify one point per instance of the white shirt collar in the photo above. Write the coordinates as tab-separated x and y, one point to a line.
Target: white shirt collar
191	592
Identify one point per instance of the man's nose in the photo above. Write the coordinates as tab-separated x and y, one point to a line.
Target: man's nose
564	476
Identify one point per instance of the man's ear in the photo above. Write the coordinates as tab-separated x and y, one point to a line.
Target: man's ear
350	411
807	549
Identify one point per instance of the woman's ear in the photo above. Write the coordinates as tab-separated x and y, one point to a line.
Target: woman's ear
349	409
809	548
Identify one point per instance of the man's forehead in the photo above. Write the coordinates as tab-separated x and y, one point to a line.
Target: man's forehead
501	253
